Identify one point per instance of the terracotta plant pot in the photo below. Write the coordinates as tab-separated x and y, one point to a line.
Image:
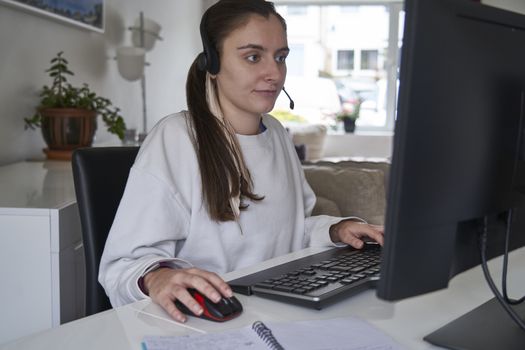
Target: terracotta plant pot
65	129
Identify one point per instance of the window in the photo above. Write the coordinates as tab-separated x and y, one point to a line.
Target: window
355	46
345	59
369	60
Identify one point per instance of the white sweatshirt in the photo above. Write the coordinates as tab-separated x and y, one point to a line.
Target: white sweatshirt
162	217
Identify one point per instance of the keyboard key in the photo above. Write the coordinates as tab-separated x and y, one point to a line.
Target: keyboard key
283	288
264	285
357	269
341	268
299	290
347	280
329	265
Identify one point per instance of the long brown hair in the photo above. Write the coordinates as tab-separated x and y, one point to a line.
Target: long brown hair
223	173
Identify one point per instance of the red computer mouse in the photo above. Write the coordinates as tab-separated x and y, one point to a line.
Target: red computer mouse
224	310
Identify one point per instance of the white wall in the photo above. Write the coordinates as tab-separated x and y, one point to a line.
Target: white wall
29	41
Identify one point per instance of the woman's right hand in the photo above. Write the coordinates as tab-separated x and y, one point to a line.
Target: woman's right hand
165	285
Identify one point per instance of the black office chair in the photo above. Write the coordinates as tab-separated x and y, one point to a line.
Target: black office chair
100	175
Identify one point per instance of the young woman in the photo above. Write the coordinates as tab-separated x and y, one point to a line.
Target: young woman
219	187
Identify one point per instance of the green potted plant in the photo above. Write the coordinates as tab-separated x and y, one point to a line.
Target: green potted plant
67	114
349	116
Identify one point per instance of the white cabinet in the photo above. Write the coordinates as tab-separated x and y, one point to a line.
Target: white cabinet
41	253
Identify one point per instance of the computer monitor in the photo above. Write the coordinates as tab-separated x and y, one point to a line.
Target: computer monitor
458	154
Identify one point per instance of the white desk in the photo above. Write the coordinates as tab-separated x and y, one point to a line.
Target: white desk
406	321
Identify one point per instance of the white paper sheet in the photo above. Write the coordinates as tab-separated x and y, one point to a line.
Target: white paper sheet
346	333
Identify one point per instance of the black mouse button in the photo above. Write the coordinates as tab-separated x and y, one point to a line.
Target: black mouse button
231	305
220	309
228	302
236	304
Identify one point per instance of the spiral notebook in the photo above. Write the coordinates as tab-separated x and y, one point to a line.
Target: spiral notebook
346	333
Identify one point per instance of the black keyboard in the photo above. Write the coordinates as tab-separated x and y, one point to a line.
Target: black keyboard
316	280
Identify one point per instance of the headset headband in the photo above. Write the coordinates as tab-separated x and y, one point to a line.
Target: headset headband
209	58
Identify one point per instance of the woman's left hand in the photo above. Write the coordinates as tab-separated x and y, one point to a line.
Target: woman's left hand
352	232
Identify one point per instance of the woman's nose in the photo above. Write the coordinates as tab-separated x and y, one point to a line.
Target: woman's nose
274	71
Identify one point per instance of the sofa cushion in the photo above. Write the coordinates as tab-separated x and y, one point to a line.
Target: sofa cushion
325	206
356	191
312	136
383	165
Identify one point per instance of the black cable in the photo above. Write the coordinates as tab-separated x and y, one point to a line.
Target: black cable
505	264
486	272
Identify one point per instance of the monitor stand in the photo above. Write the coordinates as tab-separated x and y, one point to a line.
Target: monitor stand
487	327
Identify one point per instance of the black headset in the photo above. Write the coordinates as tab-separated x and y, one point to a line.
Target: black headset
209	58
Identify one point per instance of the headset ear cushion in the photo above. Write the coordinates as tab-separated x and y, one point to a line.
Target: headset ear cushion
213	64
202	62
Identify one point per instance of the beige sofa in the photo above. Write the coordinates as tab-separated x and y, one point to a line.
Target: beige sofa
349	188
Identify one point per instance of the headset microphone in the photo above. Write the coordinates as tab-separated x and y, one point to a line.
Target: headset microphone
292	104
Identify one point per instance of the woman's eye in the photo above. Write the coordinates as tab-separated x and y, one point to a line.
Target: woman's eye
280	59
253	58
